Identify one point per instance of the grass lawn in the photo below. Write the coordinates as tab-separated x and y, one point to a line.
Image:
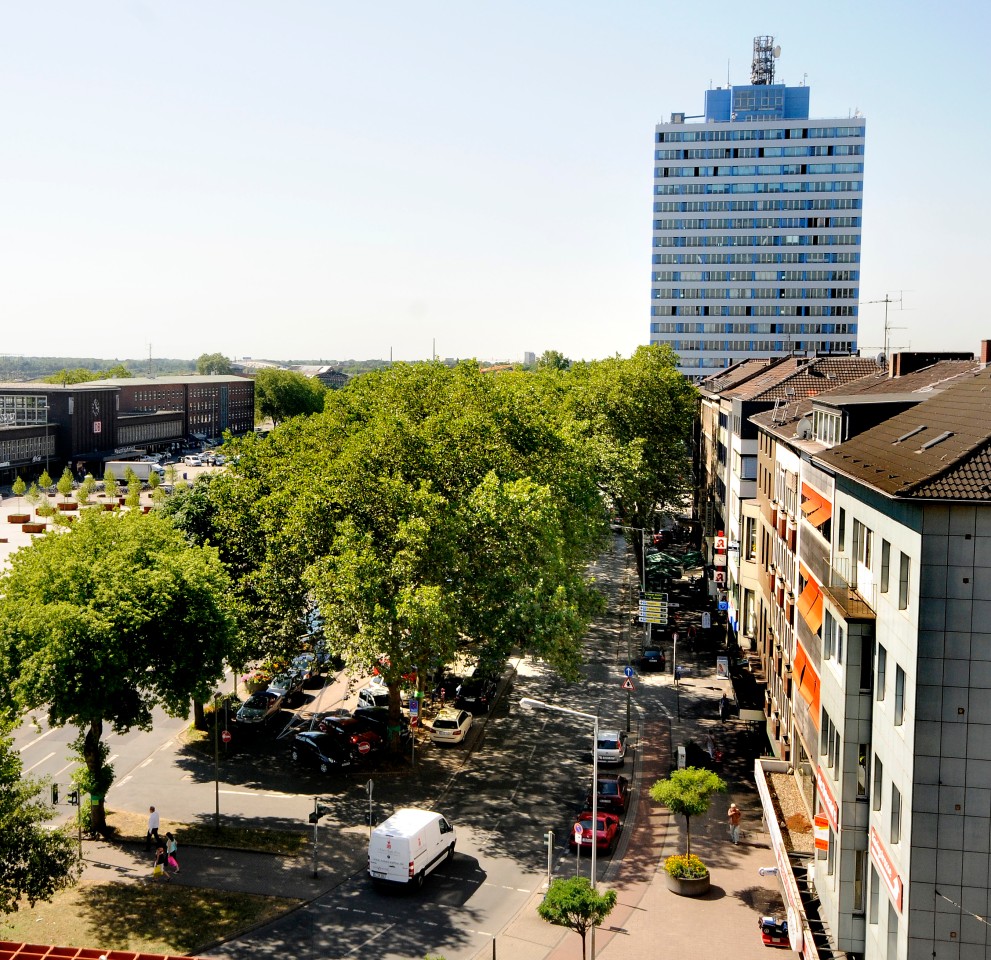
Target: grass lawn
152	917
134	826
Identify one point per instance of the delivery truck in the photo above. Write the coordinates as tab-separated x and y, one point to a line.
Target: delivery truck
142	469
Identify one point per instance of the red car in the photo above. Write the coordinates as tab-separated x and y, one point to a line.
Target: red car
614	794
605	836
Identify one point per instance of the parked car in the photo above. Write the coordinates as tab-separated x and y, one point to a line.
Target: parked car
611	746
193	460
374	695
614	793
260	707
606	835
444	686
360	741
325	751
286	683
450	726
377	720
476	694
652	659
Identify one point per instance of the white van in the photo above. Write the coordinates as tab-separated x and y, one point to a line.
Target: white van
409	845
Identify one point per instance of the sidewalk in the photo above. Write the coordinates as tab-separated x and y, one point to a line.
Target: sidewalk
649	921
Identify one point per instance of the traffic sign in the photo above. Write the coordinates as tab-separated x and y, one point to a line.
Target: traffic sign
706	620
628	671
414	707
628	684
578	833
226	736
412	721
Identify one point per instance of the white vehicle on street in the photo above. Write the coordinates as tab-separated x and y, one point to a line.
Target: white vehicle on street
450	726
409	845
611	746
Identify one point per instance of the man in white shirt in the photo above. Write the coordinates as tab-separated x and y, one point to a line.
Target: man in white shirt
153	822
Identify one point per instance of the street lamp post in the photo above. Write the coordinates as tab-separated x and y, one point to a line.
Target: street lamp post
528	703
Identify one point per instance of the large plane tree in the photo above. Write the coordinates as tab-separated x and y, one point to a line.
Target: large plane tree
104	622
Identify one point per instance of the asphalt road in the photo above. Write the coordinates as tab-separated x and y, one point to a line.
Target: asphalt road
522	774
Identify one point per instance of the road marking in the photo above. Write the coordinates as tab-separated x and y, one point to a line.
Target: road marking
38	764
254	793
121	783
36	740
371	938
145	763
66	767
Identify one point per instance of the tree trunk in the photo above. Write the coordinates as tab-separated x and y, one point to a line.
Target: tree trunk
93	756
199	716
688	833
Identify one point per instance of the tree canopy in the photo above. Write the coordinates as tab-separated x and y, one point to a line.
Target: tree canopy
213	363
104	622
83	374
37	862
572	903
281	394
688	793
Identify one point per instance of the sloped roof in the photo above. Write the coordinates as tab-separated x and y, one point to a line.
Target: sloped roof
731	376
938	449
878	382
800	377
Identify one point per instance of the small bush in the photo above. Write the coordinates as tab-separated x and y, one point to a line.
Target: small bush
686	867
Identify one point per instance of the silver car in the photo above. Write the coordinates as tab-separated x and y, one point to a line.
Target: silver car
611	747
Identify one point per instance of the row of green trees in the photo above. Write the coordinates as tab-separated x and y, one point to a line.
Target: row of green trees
424	511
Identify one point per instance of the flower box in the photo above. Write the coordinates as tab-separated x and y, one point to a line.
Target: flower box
687	886
68	506
34	527
110	506
18	518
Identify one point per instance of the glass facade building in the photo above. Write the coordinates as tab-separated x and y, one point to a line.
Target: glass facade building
756	229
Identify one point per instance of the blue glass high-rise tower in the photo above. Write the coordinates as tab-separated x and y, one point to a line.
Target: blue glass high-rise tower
757	225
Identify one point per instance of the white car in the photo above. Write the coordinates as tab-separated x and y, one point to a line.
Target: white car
611	747
193	461
450	726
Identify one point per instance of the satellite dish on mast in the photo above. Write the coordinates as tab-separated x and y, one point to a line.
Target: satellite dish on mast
776	52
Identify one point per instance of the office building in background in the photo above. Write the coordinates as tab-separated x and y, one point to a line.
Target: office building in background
756	226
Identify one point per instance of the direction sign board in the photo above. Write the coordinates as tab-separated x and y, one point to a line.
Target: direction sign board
628	671
654	608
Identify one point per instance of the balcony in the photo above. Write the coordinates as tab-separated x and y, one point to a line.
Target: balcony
836	584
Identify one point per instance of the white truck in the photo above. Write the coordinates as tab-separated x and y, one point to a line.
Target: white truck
409	845
142	469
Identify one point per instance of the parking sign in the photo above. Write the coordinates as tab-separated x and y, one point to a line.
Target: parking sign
414	707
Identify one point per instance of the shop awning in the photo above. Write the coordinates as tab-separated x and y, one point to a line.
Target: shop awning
806	681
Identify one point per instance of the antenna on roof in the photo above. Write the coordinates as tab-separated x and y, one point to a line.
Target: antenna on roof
765	53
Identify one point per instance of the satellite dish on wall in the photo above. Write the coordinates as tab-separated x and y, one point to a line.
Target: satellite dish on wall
804	429
776	52
880	360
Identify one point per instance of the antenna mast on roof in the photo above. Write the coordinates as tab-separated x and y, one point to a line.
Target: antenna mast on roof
765	53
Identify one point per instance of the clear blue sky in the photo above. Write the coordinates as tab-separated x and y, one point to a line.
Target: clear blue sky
309	178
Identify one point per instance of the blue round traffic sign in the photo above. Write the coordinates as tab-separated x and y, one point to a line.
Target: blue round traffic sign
628	671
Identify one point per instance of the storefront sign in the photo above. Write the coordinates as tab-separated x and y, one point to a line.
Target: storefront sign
886	869
821	832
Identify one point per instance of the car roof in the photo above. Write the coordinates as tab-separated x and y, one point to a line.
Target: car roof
449	713
610	734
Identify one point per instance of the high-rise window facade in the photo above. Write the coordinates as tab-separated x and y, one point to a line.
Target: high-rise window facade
757	225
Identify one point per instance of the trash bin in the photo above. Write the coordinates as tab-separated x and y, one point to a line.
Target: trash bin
184	477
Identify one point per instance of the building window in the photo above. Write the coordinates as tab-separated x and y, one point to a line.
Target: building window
863	540
839	644
841	531
836	759
899	696
831	854
878	783
827	636
892	931
875	881
882	668
859	881
885	564
863	752
866	663
903	573
896	814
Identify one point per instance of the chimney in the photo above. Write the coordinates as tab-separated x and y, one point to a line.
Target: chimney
985	352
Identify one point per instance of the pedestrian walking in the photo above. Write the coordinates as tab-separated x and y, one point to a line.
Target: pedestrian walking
734	815
723	708
170	850
153	823
159	870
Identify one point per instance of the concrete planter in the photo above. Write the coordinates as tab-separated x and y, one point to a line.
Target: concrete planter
686	887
